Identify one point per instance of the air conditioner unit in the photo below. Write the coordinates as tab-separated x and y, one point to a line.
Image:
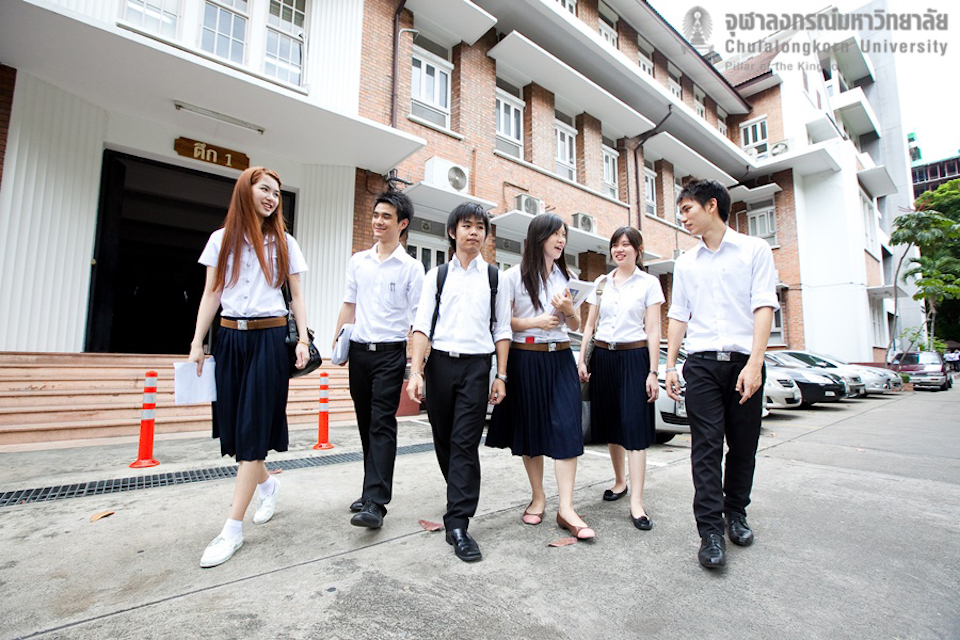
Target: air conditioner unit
585	222
752	152
444	174
529	204
781	147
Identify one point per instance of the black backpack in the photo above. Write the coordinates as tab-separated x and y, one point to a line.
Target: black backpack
492	274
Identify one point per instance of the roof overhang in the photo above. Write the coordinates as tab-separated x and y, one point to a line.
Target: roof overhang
857	114
527	62
660	267
741	193
682	157
761	83
822	128
882	291
552	27
124	72
851	59
808	160
451	21
877	181
435	203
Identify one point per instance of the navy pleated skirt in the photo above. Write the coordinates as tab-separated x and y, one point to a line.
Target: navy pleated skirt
541	414
253	376
619	411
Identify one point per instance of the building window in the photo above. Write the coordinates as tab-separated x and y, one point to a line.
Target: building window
608	23
677	188
753	135
951	168
430	251
869	223
225	29
762	221
566	150
430	88
153	16
776	331
699	102
934	171
722	121
674	81
645	55
876	316
509	124
610	158
284	54
569	5
649	189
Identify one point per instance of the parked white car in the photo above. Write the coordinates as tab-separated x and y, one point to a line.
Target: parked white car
780	391
851	374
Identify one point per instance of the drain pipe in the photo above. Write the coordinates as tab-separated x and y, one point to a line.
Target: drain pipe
636	161
394	81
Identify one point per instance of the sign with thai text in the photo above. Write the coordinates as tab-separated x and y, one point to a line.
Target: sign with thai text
211	153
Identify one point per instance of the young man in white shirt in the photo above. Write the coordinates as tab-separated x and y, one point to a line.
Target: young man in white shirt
383	290
724	296
463	333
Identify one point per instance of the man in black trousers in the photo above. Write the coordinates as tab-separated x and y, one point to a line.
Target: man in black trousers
383	290
464	316
724	297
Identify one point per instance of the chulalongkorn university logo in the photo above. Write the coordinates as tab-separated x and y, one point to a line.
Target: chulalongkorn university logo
697	27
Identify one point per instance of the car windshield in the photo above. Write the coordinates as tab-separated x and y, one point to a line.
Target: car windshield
787	361
811	360
925	357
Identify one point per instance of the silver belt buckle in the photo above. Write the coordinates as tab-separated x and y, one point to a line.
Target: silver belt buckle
551	346
612	346
453	354
242	324
371	346
723	356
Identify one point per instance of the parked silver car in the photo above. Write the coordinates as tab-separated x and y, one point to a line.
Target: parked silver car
873	380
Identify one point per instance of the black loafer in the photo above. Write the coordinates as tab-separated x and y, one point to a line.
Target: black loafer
738	530
356	505
464	545
643	523
713	551
370	516
610	496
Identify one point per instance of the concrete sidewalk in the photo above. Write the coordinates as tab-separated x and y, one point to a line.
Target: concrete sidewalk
854	510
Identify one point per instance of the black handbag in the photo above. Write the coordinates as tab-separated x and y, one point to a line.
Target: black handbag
589	345
293	338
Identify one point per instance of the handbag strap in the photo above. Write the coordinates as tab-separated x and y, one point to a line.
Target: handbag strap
287	298
596	324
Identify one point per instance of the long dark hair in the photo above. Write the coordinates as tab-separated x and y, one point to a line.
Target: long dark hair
533	266
633	237
243	221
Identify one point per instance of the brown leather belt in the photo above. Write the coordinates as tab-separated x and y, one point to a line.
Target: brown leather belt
540	346
258	323
620	346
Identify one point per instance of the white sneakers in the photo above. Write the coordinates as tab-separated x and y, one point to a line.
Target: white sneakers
266	506
220	550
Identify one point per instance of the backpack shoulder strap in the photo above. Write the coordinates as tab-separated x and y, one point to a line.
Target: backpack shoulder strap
493	274
441	278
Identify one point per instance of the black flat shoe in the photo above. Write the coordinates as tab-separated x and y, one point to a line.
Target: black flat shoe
738	530
356	505
643	523
464	545
713	551
610	496
370	516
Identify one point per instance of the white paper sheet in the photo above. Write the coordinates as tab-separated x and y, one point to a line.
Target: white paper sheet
580	289
189	388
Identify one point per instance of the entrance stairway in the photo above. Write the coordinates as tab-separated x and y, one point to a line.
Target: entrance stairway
47	397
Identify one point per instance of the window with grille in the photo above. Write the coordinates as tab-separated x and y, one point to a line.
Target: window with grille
154	16
224	31
509	124
566	150
430	88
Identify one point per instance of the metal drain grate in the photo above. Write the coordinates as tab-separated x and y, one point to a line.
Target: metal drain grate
62	492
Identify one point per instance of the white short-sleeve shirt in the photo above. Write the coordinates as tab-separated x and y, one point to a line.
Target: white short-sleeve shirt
623	308
716	292
252	296
386	294
523	305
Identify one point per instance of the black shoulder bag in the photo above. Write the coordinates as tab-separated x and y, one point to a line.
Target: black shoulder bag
293	337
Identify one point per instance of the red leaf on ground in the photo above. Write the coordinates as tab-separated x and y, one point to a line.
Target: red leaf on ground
562	542
102	514
431	526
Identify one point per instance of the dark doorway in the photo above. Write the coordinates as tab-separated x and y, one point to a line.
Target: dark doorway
154	221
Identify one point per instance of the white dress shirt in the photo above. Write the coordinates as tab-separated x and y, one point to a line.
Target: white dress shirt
386	294
523	305
252	296
717	292
623	308
464	322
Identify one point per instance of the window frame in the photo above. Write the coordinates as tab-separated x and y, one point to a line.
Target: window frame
291	34
649	191
177	15
421	243
441	65
611	158
228	7
645	55
776	327
560	130
514	104
699	102
675	81
870	217
761	144
768	212
722	121
569	5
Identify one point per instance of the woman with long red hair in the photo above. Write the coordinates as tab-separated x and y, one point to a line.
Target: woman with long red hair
248	261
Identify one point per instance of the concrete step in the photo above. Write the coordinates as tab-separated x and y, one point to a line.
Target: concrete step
129	397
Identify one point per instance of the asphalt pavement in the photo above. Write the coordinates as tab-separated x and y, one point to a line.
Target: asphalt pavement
855	510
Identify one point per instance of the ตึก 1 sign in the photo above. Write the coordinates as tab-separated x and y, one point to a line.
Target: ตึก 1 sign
211	153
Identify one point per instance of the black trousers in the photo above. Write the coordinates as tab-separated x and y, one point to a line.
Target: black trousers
715	412
457	390
376	378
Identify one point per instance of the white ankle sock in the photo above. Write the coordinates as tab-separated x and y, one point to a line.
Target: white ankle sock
267	487
232	529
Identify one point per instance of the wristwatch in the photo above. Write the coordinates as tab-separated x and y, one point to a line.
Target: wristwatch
502	376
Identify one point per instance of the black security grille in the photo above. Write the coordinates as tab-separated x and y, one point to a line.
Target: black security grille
99	487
